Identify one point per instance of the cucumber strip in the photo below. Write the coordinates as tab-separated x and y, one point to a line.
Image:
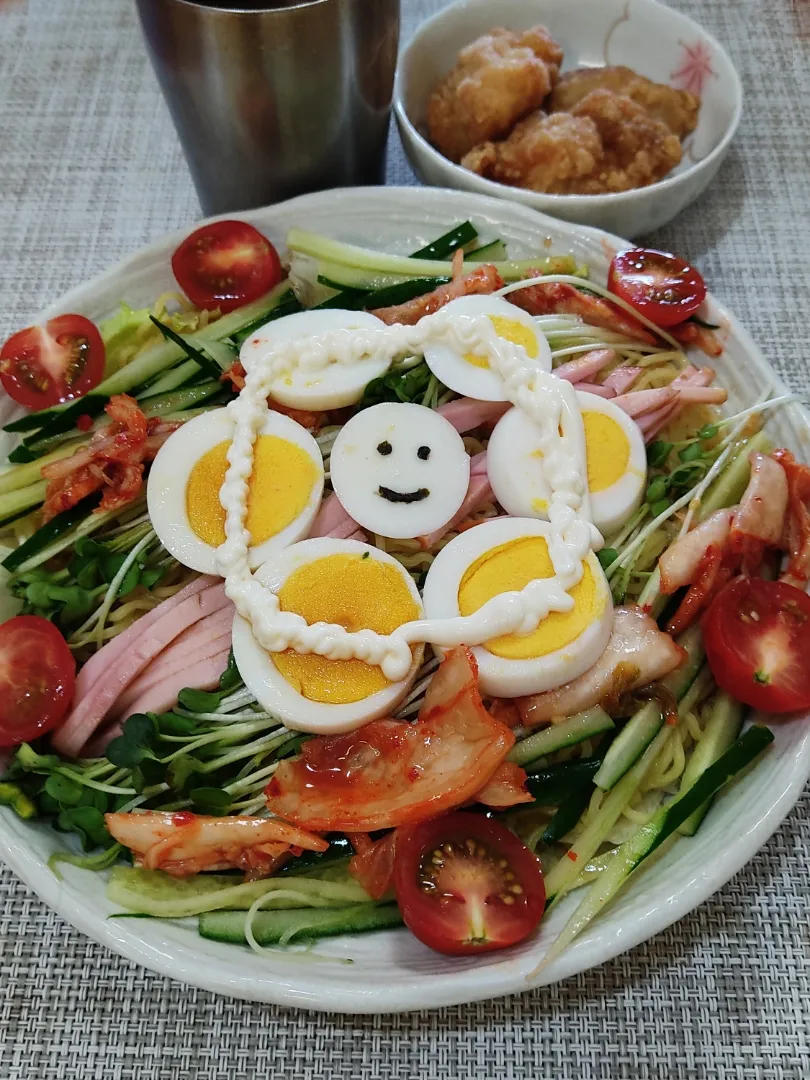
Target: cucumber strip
150	363
551	784
48	534
568	814
569	732
650	836
24	475
203	361
722	728
445	245
270	927
88	523
13	503
289	305
374	264
392	295
312	862
162	404
492	252
171	380
153	892
561	878
630	744
679	681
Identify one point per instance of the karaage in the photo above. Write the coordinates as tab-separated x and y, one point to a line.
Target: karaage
497	80
678	109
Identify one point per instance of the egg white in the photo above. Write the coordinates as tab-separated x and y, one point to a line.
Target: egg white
500	676
273	691
450	367
358	470
172	468
330	387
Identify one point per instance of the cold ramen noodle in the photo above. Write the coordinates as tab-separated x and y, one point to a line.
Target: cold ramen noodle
418	589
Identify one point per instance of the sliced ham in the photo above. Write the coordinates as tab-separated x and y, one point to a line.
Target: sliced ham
645	401
478	493
466	413
481	281
622	378
637	654
332	520
99	662
762	509
598	389
679	563
90	710
652	422
585	366
162	696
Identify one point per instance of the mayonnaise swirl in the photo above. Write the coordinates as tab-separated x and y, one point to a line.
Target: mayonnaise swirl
551	404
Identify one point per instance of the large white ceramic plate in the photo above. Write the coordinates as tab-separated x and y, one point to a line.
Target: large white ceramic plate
392	971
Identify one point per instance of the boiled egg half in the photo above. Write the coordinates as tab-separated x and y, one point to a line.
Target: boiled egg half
285	488
342	582
331	386
471	375
616	464
504	555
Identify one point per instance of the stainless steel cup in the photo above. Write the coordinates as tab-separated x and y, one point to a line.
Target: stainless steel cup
272	99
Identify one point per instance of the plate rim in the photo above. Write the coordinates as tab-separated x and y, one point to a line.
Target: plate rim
469	982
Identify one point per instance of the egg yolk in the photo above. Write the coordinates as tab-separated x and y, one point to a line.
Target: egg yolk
607	450
353	591
280	486
509	330
510	568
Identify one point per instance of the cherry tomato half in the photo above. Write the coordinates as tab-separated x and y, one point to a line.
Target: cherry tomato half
659	285
43	365
225	265
466	884
37	674
757	638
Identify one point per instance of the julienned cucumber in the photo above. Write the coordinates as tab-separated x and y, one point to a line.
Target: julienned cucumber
150	363
663	824
493	252
459	237
562	877
550	785
630	744
152	892
575	729
271	927
49	533
722	728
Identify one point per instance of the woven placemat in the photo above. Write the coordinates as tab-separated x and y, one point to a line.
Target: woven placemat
89	170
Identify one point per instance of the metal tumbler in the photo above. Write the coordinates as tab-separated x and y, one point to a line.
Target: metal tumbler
273	99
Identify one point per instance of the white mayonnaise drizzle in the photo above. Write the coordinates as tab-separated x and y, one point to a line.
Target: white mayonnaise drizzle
550	402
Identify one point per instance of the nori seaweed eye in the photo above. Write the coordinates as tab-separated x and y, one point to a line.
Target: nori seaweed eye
423	453
384	448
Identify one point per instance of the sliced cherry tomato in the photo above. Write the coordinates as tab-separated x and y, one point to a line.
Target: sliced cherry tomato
225	265
43	365
466	884
757	637
659	285
37	673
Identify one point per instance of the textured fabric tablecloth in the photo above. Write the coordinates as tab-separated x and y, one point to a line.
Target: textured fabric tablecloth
90	169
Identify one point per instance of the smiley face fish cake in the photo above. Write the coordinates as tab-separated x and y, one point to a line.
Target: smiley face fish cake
400	470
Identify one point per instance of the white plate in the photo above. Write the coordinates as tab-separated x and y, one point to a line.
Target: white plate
392	971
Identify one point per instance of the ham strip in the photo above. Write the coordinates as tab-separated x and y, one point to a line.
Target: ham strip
679	563
645	401
596	388
622	378
203	675
478	493
466	413
332	520
637	654
100	661
89	711
586	365
651	423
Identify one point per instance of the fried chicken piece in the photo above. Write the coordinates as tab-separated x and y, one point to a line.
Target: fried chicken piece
638	149
554	154
497	79
678	109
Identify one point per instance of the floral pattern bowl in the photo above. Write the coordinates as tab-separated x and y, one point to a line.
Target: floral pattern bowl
643	35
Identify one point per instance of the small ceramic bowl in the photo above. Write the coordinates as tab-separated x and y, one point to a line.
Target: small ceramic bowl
643	35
